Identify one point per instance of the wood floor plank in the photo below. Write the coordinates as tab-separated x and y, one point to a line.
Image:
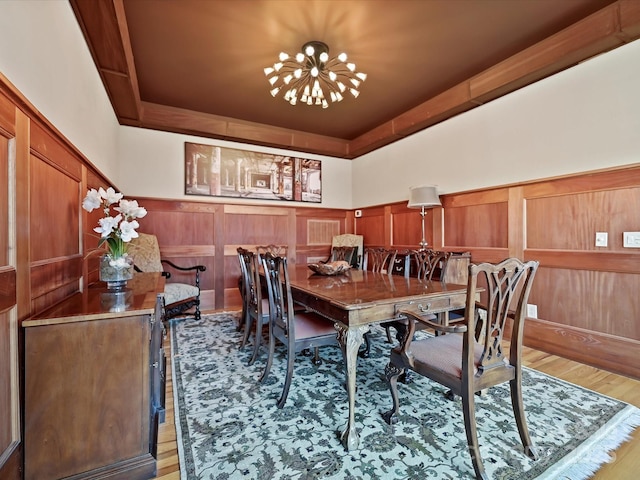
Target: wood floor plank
625	461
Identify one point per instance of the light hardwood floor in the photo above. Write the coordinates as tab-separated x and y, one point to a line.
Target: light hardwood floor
626	463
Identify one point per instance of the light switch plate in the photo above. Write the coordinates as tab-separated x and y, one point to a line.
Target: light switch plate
532	310
602	239
631	239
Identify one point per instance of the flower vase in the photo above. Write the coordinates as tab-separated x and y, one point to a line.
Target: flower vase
116	271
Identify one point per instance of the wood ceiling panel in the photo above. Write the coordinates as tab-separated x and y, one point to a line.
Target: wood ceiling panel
196	67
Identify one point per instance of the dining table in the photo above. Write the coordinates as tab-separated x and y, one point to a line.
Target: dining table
357	299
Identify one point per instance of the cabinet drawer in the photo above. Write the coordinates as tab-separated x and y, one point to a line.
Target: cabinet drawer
435	305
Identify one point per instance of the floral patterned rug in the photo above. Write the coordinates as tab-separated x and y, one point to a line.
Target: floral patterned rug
230	428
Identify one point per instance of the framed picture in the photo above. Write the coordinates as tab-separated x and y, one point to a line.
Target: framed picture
228	172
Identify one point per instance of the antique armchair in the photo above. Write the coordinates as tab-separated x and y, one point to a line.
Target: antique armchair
255	307
471	356
178	297
347	247
296	330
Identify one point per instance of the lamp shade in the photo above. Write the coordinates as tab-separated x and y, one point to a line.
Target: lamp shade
424	196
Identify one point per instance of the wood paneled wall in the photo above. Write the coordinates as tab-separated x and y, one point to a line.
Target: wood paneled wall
10	443
586	296
192	232
43	179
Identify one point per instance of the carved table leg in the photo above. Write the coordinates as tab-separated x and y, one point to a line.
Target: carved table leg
350	340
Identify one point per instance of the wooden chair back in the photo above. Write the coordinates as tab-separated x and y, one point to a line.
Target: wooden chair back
248	267
430	263
507	287
350	240
253	308
275	249
380	260
347	254
279	289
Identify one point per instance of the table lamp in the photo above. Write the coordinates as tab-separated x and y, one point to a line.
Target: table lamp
423	197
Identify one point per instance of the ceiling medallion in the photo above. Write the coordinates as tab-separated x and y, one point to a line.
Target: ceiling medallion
311	77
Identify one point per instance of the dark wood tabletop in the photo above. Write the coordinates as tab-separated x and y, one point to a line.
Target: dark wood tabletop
359	297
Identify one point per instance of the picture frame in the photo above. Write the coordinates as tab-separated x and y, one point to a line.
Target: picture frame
215	171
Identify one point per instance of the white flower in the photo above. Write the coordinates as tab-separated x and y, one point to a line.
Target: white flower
128	230
107	225
92	200
115	231
110	196
131	209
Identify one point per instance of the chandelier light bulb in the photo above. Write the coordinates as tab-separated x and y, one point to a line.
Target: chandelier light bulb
312	76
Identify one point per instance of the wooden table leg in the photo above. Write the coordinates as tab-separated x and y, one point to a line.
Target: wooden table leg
350	340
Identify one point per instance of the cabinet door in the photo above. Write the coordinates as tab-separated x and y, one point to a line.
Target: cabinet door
87	398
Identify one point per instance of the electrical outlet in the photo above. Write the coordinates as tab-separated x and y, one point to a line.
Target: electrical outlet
532	310
602	239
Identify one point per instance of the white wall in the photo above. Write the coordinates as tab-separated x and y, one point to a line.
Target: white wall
584	118
152	165
44	54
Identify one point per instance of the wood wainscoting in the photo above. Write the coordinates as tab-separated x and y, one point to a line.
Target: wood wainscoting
192	233
586	296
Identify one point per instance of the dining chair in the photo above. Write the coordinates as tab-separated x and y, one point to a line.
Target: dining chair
472	357
353	255
426	264
297	331
377	260
380	260
346	254
430	263
179	297
255	307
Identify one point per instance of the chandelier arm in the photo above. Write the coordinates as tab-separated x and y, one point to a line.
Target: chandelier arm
315	86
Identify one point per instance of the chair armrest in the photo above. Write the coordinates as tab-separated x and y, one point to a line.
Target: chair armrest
197	268
164	274
455	328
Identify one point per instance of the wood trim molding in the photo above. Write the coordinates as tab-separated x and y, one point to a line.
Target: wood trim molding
593	348
586	260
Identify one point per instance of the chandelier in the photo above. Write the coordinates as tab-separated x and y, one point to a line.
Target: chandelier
311	77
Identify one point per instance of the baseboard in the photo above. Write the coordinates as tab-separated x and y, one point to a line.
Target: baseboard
601	350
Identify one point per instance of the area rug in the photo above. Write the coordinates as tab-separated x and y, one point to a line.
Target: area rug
228	426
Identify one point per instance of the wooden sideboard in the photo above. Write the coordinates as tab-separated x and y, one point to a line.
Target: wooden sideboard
94	383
